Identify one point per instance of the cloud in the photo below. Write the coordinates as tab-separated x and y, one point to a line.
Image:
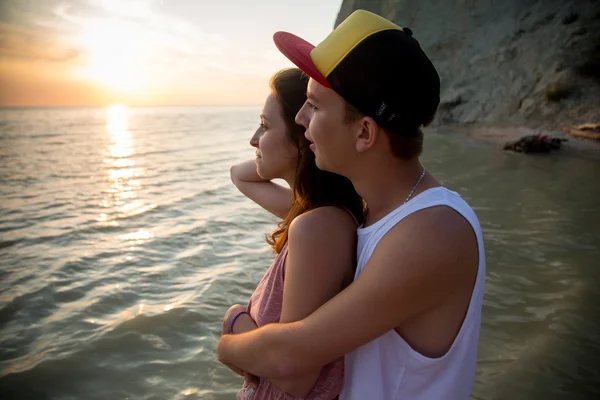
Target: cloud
26	43
75	30
137	49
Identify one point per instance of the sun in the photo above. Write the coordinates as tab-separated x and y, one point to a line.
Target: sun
114	54
117	120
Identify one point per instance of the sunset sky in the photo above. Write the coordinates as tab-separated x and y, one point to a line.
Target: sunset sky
148	52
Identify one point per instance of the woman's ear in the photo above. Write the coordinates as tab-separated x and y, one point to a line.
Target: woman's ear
367	133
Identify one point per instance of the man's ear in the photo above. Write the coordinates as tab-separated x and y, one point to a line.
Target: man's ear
367	134
430	120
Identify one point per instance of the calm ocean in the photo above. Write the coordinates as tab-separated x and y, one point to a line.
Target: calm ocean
122	243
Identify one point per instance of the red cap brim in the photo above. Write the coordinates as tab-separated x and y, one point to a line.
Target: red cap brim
298	51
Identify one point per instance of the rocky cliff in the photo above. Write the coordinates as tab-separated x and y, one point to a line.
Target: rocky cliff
510	62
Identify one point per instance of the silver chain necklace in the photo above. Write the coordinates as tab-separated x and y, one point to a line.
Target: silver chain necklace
409	195
415	187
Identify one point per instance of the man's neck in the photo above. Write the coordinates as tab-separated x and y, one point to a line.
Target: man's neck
387	186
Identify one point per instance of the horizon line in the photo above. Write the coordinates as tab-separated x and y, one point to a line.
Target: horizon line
137	106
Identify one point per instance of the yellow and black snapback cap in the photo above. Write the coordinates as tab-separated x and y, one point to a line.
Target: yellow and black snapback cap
375	65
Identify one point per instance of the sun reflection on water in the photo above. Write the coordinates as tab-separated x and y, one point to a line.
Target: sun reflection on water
122	197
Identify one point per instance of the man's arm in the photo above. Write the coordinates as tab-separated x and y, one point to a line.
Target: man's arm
413	269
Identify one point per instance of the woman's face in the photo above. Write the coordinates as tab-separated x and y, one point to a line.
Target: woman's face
276	154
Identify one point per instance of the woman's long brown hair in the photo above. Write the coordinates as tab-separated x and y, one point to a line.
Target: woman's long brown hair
312	187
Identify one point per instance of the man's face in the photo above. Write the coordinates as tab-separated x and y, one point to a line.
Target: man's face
323	117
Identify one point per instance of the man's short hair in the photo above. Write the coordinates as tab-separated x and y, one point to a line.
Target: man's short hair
405	145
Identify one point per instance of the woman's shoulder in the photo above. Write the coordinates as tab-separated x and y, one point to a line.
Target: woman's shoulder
322	222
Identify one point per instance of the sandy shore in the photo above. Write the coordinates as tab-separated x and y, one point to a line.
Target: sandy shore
499	135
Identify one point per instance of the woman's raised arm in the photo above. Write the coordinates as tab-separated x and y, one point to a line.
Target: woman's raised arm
274	198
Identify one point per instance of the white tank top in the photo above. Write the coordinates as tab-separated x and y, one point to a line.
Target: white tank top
387	368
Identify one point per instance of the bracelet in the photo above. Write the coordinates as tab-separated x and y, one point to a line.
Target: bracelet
235	317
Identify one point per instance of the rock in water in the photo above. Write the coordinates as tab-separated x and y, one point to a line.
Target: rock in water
535	144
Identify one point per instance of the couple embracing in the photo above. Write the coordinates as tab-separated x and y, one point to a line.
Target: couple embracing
377	284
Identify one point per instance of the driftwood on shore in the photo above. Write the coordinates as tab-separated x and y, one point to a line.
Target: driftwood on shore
535	144
587	131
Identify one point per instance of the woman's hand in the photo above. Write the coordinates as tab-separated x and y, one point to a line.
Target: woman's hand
243	323
246	172
229	314
272	197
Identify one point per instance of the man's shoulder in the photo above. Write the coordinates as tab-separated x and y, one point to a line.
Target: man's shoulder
439	229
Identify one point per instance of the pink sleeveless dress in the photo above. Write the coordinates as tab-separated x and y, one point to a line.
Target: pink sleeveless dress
265	308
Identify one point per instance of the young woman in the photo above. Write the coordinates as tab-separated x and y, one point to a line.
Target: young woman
315	242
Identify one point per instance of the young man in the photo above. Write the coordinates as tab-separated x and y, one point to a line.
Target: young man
409	323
